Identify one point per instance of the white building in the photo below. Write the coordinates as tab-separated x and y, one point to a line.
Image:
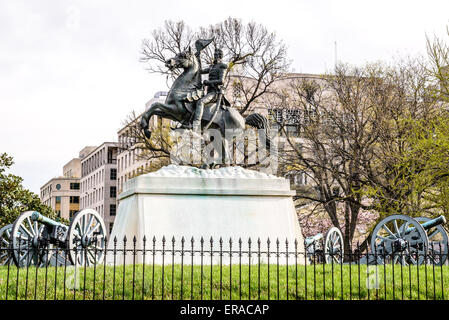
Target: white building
99	182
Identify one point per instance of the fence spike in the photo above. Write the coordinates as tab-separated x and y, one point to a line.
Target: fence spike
144	238
134	239
173	239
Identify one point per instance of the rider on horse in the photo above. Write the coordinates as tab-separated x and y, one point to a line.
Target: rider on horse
217	74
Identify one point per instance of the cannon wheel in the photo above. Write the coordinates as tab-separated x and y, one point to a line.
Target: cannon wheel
390	232
28	243
5	253
333	246
438	246
86	238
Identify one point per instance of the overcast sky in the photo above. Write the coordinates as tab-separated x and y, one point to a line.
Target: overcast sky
69	70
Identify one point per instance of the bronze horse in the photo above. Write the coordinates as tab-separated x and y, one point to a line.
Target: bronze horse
181	99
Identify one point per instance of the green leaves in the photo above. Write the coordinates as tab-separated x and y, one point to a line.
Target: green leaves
14	198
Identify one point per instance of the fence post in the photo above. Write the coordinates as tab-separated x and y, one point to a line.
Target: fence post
221	266
124	264
191	268
202	254
230	268
134	264
286	260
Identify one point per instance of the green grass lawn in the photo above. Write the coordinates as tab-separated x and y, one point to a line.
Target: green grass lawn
173	282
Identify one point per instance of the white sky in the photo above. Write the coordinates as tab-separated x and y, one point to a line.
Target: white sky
69	70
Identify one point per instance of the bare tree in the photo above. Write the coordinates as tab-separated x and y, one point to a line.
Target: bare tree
256	57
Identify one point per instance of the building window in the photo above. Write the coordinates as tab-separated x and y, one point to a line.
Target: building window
113	174
111	156
74	186
58	199
112	209
58	187
113	192
111	224
58	213
74	199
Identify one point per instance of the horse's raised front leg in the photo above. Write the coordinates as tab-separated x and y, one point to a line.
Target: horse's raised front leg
146	117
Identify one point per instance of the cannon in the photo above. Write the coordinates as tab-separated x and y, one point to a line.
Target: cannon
330	250
405	240
438	240
38	240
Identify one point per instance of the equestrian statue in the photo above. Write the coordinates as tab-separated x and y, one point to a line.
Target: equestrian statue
199	105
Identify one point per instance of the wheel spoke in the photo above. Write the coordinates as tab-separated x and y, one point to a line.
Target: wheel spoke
41	229
78	228
433	234
83	224
89	224
37	230
93	229
388	230
91	254
30	224
395	223
383	238
22	227
27	253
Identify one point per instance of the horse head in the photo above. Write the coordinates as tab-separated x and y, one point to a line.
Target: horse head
184	60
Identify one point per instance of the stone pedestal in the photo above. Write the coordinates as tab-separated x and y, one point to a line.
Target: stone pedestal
226	203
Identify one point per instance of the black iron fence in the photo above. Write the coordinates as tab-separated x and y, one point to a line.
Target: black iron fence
218	269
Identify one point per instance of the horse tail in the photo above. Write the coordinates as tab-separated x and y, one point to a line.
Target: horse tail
258	121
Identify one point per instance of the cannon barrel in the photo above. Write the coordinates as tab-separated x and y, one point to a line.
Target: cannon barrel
36	216
429	224
312	239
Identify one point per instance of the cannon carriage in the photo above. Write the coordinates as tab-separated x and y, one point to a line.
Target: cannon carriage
326	248
397	239
408	241
34	239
